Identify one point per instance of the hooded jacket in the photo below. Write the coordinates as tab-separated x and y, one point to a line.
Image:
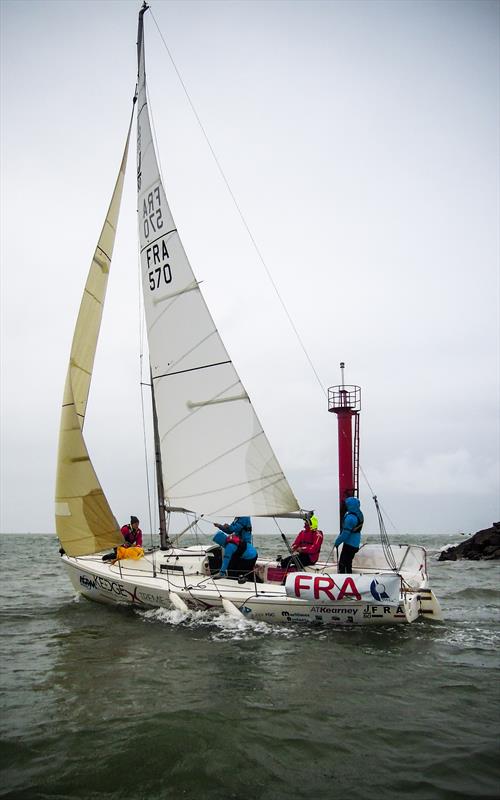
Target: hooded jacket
231	548
310	540
351	524
242	526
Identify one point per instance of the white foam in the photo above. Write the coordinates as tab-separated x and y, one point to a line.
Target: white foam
225	625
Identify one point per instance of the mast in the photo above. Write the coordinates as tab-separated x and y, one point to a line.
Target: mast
159	471
159	474
140	35
345	402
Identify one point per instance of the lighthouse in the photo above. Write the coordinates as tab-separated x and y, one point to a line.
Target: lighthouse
345	402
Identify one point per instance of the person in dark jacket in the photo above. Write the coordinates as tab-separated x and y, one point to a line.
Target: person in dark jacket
132	536
306	546
132	533
350	534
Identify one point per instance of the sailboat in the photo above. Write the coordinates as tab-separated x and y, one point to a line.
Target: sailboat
213	458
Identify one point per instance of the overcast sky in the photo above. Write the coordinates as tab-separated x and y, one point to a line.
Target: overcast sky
360	140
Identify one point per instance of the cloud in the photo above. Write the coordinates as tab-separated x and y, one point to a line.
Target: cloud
454	472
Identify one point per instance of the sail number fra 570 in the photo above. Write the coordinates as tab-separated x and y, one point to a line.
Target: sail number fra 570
152	219
158	268
157	264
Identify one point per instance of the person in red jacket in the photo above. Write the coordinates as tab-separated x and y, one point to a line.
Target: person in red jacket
132	536
306	546
132	533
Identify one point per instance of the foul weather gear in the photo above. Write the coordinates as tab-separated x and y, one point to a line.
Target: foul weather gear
132	538
238	554
351	524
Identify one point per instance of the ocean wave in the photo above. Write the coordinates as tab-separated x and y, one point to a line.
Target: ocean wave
487	593
446	547
472	639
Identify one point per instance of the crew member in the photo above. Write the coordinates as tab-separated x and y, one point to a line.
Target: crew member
350	534
132	533
239	553
306	546
241	526
132	536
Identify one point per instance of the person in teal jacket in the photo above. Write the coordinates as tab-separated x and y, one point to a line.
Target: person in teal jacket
350	534
240	526
239	553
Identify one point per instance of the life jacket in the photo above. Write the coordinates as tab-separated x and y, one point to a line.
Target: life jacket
244	528
357	528
241	545
129	534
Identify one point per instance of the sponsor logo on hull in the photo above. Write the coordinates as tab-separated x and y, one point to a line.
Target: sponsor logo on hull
112	588
384	589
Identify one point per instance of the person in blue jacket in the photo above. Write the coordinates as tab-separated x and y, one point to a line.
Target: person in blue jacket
350	534
240	526
239	553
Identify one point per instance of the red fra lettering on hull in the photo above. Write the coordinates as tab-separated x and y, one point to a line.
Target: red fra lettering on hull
323	584
302	582
349	588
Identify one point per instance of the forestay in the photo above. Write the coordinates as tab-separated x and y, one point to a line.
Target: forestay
215	455
84	521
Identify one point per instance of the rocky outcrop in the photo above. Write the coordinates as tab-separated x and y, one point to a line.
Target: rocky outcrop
483	546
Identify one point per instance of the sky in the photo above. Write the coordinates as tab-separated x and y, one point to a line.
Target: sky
361	143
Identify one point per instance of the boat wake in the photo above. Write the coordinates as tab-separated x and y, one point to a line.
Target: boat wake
224	626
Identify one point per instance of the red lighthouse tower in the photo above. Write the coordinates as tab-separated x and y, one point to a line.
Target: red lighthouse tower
345	402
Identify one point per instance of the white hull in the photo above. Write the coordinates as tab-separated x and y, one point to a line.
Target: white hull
180	578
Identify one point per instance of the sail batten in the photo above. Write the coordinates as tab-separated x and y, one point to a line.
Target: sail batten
213	448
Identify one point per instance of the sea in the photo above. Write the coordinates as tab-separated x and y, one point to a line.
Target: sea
126	704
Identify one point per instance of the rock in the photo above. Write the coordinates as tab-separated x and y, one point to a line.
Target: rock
483	546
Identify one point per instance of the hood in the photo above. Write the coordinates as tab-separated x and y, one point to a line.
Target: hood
352	504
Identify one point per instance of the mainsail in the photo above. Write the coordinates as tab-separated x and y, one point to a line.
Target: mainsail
215	456
84	521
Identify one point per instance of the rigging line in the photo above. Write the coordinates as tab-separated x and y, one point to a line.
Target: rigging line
386	545
240	213
371	489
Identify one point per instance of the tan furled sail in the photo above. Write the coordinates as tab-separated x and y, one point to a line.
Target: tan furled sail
84	521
